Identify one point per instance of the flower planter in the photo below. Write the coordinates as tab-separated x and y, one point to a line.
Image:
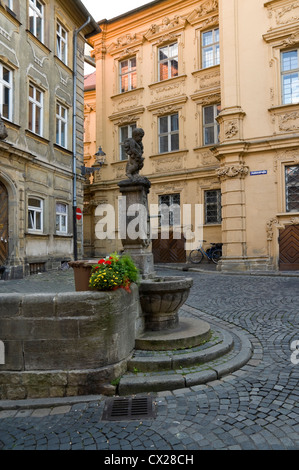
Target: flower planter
82	271
161	299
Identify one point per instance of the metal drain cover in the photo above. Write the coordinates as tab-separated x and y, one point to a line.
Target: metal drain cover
120	409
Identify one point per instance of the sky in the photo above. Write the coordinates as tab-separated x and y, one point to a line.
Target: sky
101	9
107	9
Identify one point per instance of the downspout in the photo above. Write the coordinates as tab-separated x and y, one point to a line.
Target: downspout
75	45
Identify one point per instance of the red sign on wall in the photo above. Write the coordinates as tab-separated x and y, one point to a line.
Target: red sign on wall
78	214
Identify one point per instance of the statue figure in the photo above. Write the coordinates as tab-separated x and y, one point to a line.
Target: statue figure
134	149
3	130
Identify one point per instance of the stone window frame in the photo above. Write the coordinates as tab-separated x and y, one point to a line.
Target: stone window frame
3	84
215	125
214	45
59	22
35	210
59	120
130	126
286	189
168	60
129	73
169	133
32	5
283	73
170	206
36	104
218	206
279	41
60	214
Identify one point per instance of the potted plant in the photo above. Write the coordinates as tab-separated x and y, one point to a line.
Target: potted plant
113	272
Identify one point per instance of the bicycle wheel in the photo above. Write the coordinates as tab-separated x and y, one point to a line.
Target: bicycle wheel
216	255
195	256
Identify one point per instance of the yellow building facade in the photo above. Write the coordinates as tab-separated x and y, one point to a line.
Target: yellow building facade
214	85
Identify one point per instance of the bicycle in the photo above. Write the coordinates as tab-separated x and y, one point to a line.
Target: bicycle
213	253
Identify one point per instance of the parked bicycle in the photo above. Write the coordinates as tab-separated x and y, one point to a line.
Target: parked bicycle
213	253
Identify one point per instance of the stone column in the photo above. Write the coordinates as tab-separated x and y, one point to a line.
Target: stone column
232	173
134	223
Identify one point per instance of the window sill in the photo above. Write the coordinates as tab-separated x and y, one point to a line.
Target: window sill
63	235
167	80
283	107
38	42
63	149
36	235
10	14
63	64
126	93
37	137
167	154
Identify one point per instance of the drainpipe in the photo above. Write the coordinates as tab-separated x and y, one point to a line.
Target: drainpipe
75	44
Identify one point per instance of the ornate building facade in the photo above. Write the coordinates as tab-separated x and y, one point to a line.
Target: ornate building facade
214	84
41	84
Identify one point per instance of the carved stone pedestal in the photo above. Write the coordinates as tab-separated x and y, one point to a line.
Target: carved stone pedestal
134	223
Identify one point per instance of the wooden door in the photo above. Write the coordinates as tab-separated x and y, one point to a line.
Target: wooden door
171	250
289	248
3	224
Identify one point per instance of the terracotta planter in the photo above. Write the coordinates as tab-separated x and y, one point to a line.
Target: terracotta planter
82	272
161	299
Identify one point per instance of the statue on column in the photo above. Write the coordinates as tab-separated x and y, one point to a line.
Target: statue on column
134	149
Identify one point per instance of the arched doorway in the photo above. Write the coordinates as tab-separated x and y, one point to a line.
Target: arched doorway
3	225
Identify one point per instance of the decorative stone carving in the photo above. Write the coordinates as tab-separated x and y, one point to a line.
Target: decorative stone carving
231	129
233	171
165	28
269	228
289	121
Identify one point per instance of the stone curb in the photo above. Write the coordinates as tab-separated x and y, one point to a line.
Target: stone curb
36	403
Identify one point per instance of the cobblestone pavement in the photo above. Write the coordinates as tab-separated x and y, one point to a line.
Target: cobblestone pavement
255	407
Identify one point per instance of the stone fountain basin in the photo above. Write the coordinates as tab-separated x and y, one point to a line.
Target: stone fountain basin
161	298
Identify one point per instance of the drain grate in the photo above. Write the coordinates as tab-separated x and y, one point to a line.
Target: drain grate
120	409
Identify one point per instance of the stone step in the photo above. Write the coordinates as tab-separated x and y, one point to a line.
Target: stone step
189	333
181	377
218	345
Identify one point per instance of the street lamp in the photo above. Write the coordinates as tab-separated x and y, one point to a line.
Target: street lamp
100	160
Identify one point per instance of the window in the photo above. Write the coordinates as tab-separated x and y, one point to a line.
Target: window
35	214
36	19
61	125
169	133
290	76
210	125
125	132
127	75
213	207
9	4
170	210
35	110
5	92
61	217
61	38
292	188
210	48
168	61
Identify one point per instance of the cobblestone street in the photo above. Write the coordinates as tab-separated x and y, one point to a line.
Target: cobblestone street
256	407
